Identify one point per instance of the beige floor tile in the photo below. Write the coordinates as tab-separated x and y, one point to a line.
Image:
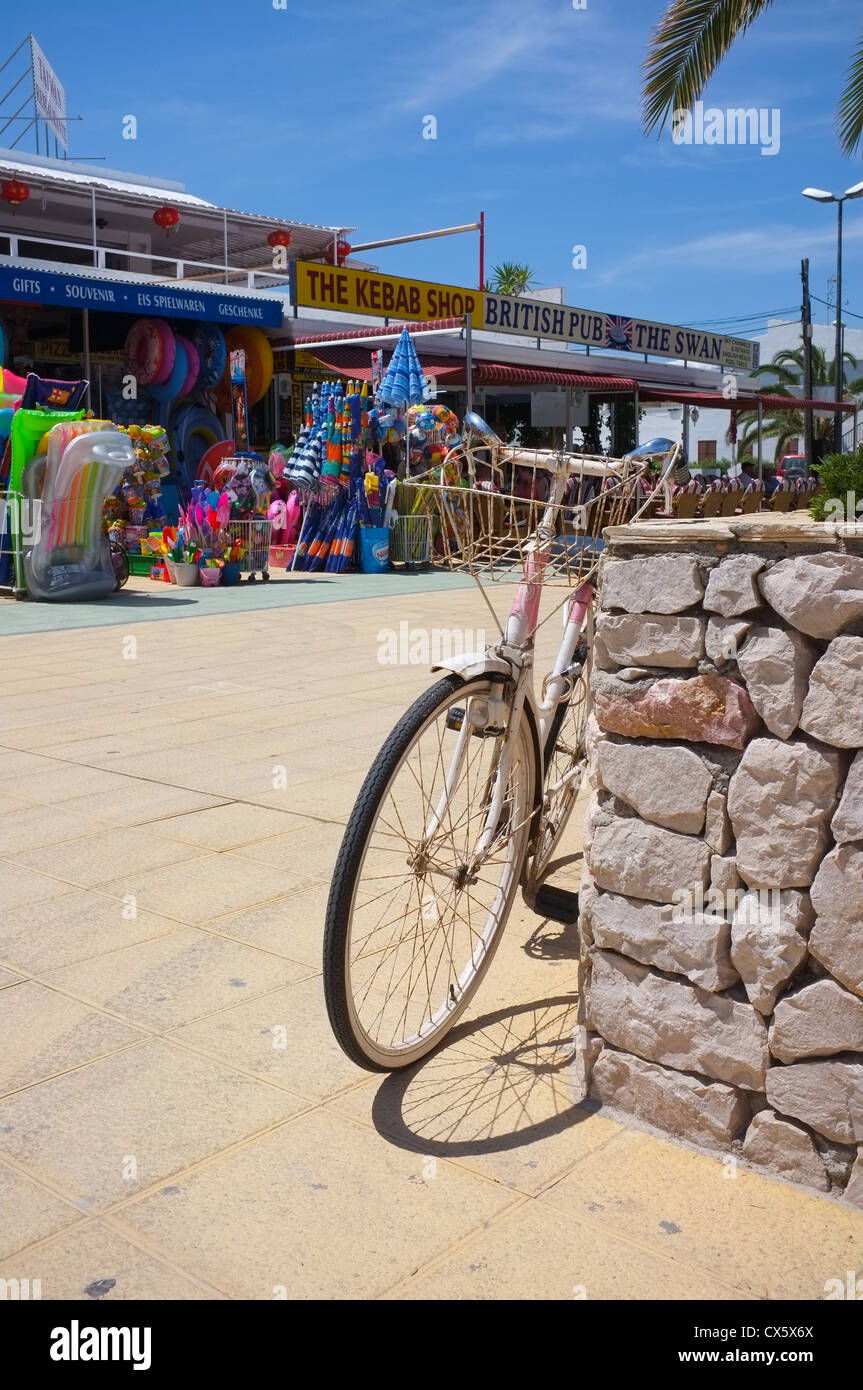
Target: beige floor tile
293	927
76	926
23	887
329	1210
233	824
100	1133
766	1238
34	827
208	887
137	803
284	1037
66	783
500	1097
170	981
28	1213
101	857
533	1253
95	1264
331	799
44	1033
314	846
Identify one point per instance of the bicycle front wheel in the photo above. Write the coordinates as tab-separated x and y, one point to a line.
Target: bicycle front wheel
414	914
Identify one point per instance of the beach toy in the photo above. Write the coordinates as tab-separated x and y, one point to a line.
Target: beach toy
150	351
169	388
193	365
209	341
259	365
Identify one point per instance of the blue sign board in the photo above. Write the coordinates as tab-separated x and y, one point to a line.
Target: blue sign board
124	297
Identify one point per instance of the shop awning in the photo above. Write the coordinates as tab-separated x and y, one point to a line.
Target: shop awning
745	400
34	282
505	374
355	362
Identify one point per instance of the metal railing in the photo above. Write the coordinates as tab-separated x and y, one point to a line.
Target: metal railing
256	277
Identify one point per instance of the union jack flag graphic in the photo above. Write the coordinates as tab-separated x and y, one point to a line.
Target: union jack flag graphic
618	332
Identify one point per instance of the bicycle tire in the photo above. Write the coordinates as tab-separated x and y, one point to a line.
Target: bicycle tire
581	690
347	875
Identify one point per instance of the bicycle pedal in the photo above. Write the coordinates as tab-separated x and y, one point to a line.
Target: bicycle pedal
558	904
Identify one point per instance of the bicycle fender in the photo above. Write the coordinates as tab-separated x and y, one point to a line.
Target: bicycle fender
473	664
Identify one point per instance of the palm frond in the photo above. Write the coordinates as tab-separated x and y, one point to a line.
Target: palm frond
686	48
849	116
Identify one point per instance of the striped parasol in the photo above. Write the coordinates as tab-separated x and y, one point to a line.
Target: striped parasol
403	382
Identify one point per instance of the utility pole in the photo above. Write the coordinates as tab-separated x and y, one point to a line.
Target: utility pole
806	327
840	343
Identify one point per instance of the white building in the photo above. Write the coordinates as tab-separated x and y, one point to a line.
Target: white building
708	429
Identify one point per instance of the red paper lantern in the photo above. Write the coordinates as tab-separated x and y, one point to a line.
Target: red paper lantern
14	192
166	217
279	238
343	250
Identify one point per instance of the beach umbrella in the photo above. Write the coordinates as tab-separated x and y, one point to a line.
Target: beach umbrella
403	382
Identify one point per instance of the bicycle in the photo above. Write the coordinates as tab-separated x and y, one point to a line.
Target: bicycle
469	796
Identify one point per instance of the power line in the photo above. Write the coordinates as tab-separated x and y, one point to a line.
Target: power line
833	306
742	318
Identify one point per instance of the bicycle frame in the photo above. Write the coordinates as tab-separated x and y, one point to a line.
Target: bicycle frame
512	659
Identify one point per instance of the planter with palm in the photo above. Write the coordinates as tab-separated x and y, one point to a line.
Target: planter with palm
510	277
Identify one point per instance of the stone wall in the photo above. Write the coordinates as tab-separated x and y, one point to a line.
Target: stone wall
722	904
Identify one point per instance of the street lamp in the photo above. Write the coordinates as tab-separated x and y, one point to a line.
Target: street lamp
819	195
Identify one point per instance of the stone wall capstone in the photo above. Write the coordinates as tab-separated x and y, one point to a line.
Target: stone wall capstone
721	956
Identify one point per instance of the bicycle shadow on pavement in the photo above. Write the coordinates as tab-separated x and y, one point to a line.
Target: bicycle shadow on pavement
501	1081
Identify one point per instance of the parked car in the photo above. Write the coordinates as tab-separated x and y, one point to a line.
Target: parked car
792	466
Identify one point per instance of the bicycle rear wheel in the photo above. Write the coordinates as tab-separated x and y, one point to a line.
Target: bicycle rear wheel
412	924
565	766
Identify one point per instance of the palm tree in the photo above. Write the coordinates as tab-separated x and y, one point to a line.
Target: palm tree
510	277
691	40
787	369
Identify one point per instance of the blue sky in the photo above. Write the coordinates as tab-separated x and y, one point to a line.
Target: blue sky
316	112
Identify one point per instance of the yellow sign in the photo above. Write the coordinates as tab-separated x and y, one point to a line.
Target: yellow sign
382	296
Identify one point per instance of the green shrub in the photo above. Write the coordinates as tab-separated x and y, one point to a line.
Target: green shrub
839	475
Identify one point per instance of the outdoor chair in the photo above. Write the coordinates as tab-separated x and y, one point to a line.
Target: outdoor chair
783	497
732	499
753	497
685	500
713	499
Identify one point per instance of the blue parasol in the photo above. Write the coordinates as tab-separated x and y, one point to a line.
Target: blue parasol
403	383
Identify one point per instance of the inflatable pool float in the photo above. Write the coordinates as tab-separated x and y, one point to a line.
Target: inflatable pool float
197	431
193	362
209	340
169	389
150	350
259	365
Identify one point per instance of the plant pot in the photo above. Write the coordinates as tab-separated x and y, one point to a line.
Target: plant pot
231	572
171	567
187	575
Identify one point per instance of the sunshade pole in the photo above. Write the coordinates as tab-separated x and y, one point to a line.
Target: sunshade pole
468	349
760	441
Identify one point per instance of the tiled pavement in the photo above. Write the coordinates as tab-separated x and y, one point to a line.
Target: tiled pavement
175	1116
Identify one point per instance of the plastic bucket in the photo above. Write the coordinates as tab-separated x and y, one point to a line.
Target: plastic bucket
210	576
374	549
171	567
187	575
231	572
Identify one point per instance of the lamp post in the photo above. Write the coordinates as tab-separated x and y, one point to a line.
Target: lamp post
819	195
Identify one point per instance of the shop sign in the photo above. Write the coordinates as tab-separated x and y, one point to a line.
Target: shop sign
49	94
381	296
536	318
123	297
387	296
